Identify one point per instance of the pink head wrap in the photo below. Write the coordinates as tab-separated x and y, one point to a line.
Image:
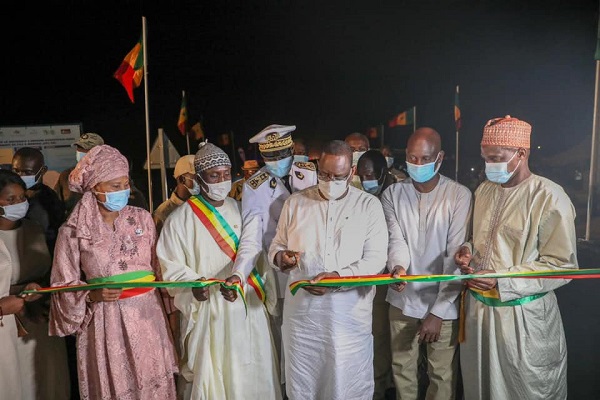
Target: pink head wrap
100	164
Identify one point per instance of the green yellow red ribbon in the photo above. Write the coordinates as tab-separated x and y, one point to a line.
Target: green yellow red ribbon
386	279
137	284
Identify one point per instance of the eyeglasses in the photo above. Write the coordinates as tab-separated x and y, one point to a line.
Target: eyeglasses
328	177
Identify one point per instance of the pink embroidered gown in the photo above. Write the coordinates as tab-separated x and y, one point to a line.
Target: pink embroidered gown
124	348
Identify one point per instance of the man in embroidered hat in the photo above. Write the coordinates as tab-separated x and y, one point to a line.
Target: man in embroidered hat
513	343
200	240
264	195
119	333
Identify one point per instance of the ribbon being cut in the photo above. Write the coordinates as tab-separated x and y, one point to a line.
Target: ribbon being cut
146	282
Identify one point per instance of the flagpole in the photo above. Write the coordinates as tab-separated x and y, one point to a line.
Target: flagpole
414	118
457	134
233	161
145	47
592	158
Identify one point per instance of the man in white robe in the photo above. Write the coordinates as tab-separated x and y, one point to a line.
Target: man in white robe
226	351
329	230
514	345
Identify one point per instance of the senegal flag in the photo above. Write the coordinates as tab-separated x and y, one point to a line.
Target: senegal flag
182	122
131	70
457	120
404	118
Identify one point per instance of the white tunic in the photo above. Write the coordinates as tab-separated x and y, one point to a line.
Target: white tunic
262	201
327	339
519	352
226	354
426	230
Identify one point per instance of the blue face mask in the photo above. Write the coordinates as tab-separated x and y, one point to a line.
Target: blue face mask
30	180
389	161
115	201
300	158
79	155
498	172
280	168
372	187
422	173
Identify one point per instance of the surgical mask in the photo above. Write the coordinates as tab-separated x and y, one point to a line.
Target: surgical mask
79	155
372	186
300	158
15	212
218	191
355	156
389	161
115	201
280	168
30	180
195	190
422	173
498	172
333	190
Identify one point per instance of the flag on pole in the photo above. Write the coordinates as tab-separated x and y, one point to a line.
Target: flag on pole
372	133
198	131
457	119
131	70
182	122
404	118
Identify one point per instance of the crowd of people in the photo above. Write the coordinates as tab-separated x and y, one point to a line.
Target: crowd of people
345	211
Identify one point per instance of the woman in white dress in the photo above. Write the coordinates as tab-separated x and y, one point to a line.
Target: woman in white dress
34	365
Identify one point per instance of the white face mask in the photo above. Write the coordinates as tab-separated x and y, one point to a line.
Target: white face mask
30	180
355	156
195	190
15	212
218	191
333	190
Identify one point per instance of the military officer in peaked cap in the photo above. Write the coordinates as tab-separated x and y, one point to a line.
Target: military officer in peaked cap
263	196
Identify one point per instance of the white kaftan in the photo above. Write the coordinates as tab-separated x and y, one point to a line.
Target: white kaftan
519	352
328	345
226	354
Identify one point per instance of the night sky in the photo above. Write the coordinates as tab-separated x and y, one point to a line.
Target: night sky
328	67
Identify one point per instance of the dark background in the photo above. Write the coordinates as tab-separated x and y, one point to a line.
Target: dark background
331	68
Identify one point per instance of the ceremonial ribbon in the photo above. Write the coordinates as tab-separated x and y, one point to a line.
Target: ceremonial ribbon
138	284
226	238
386	279
133	276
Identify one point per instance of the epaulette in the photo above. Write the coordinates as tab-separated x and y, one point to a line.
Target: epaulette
258	180
305	165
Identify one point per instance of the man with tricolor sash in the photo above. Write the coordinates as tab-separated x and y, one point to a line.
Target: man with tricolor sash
514	343
227	351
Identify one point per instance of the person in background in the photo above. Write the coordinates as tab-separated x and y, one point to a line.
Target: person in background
84	144
326	231
398	174
227	349
185	176
314	153
41	360
124	347
428	218
300	150
262	201
359	144
375	179
250	167
514	345
45	208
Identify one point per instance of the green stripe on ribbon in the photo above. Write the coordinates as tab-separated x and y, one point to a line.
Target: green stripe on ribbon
127	276
494	302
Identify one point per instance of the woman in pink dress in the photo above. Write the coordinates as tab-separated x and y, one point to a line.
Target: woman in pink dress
124	348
